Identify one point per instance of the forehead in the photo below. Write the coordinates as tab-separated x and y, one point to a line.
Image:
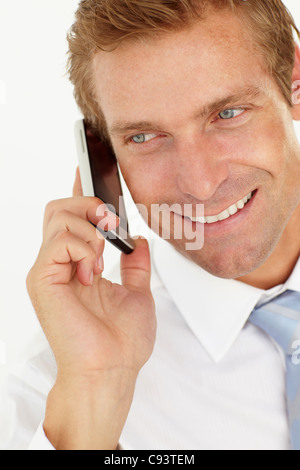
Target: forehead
168	74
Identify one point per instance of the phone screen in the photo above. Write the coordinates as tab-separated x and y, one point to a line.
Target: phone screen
107	187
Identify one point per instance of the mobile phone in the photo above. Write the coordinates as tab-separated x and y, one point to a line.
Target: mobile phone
100	178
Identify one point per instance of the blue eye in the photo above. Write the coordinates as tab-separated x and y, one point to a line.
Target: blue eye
142	138
230	113
139	139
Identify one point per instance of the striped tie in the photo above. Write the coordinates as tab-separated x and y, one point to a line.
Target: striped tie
280	319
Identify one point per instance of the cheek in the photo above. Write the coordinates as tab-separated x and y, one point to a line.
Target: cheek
146	180
262	146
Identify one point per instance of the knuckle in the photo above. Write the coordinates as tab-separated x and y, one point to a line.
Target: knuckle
63	235
50	207
59	215
30	281
50	210
57	205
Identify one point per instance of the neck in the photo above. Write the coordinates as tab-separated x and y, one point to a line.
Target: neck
279	266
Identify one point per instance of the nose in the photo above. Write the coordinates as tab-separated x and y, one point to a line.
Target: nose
201	167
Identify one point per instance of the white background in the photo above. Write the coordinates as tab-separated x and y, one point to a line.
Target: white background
37	149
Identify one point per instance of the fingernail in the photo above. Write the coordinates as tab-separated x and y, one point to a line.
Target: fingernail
101	264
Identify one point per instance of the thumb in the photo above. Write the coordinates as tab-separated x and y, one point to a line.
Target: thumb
136	267
77	188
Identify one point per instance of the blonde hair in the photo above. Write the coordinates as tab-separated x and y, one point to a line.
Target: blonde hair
105	24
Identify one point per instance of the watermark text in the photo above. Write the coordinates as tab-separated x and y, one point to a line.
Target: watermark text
175	222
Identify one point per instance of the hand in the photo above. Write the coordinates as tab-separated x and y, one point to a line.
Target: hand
96	329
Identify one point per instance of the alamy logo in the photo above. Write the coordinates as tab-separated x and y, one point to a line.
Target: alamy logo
169	222
296	353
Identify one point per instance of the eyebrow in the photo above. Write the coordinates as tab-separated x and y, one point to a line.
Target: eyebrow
244	93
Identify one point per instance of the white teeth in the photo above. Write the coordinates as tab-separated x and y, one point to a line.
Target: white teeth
211	220
225	214
233	209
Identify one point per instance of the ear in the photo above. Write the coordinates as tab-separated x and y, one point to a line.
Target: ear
296	86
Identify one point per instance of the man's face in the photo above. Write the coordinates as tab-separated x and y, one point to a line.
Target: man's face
194	119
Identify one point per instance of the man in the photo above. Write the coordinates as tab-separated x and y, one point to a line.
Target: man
196	99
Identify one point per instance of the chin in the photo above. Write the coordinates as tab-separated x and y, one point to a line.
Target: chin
232	264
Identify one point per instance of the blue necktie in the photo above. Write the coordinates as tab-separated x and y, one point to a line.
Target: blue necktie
280	319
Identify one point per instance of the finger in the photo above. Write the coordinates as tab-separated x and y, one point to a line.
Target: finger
77	188
59	256
64	220
136	267
90	209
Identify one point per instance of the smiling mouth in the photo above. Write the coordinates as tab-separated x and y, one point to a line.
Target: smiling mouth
227	213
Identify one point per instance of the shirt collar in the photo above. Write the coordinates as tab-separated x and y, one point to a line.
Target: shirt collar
215	309
293	283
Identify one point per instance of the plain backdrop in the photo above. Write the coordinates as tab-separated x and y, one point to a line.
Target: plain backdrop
37	149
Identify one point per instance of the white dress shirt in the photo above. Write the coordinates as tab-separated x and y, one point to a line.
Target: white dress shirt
214	381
